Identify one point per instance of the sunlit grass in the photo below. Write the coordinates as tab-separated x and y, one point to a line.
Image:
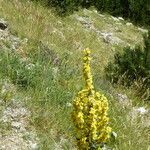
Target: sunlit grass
52	86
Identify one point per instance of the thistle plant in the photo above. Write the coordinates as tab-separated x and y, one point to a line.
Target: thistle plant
90	113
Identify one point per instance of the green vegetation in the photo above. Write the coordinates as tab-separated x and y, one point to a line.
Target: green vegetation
136	10
90	112
132	68
47	72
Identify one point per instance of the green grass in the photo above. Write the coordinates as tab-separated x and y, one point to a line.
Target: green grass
48	87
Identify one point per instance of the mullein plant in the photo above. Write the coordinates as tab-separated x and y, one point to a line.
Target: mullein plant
90	113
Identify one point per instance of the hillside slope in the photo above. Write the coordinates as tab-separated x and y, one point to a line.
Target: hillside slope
41	56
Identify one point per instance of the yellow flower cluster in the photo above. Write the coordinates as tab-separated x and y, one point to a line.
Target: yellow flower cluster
90	112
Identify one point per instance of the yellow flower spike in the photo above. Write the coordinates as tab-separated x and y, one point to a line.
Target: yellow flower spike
87	51
90	112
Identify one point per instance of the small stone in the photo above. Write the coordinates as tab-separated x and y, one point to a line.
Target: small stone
109	38
143	30
122	97
101	15
22	130
16	125
84	20
129	24
120	18
141	110
95	11
119	23
123	100
114	18
68	104
34	146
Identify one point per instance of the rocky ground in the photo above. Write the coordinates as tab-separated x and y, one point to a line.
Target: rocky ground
135	113
109	35
15	130
20	135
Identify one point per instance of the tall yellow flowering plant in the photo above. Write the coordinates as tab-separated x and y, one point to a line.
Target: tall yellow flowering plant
90	112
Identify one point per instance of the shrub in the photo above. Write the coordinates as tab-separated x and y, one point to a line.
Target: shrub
132	66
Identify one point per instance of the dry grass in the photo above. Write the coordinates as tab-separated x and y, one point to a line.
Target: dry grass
66	37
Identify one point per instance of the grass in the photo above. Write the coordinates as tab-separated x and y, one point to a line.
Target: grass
50	85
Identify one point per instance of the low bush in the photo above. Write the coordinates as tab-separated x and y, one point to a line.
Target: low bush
133	66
